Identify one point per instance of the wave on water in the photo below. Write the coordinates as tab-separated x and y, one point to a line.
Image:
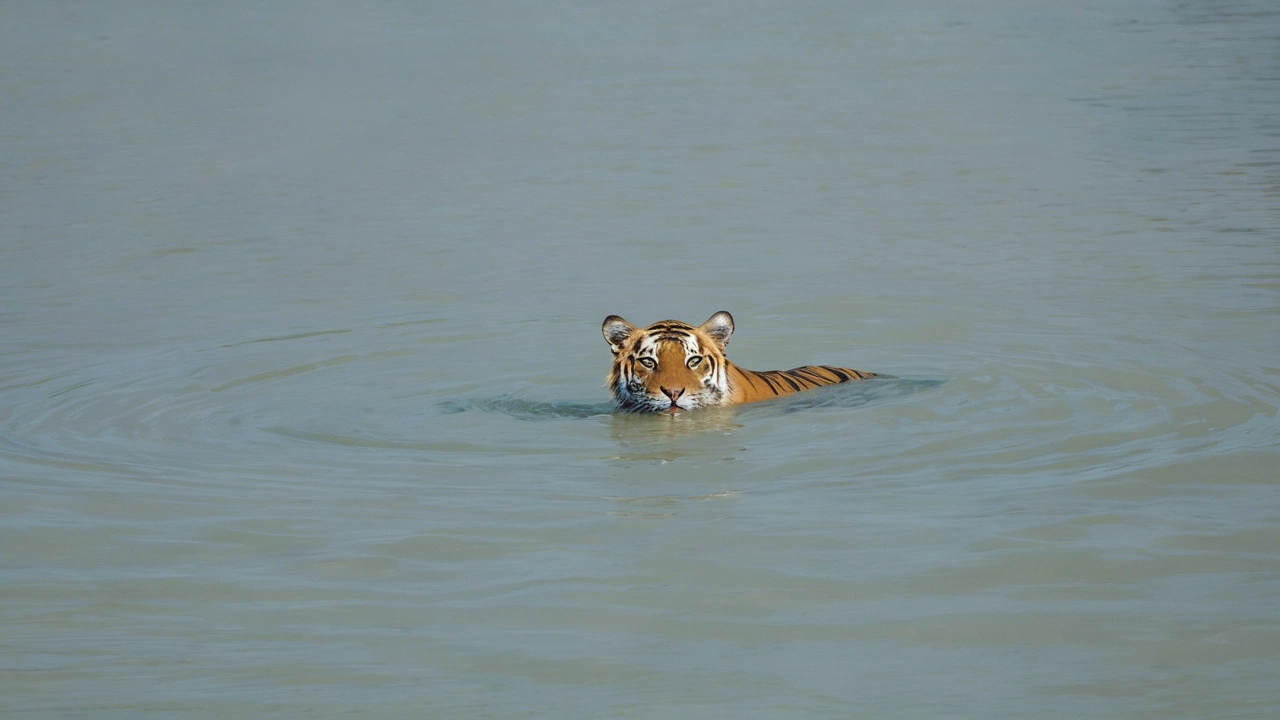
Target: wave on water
845	395
524	409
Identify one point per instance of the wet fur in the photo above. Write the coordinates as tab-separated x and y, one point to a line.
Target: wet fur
672	366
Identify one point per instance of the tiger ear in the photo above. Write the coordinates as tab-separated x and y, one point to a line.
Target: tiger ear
719	327
617	331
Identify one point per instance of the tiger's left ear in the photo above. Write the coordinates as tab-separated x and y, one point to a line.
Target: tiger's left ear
616	332
719	327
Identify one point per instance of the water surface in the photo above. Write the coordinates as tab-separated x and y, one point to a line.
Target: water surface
301	403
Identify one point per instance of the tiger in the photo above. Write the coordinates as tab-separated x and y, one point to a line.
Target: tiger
672	366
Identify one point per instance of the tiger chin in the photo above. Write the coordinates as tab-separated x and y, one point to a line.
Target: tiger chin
672	366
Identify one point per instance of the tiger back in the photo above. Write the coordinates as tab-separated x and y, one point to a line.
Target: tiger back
672	366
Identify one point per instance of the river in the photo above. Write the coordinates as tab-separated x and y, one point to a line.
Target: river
301	375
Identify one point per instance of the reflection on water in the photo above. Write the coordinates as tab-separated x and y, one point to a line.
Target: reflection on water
847	395
300	402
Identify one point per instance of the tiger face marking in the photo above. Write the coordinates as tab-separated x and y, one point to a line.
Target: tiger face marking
672	366
669	366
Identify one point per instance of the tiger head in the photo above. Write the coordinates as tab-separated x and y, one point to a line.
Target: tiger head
669	366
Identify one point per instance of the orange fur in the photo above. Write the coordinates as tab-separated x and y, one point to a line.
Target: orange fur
671	366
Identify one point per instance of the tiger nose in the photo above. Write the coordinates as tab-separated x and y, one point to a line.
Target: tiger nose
673	394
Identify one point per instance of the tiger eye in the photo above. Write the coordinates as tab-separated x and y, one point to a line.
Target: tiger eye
694	362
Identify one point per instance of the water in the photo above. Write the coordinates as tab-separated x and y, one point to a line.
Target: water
301	410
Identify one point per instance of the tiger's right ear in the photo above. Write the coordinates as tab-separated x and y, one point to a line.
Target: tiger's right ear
617	331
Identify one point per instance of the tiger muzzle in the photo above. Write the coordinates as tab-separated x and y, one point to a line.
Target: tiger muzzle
672	395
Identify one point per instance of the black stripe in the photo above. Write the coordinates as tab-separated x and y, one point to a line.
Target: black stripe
807	373
844	376
825	373
790	382
666	327
773	384
769	381
797	374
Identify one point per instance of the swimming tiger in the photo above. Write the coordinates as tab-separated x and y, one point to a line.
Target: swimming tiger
672	366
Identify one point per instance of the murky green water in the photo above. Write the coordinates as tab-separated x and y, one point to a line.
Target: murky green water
301	410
